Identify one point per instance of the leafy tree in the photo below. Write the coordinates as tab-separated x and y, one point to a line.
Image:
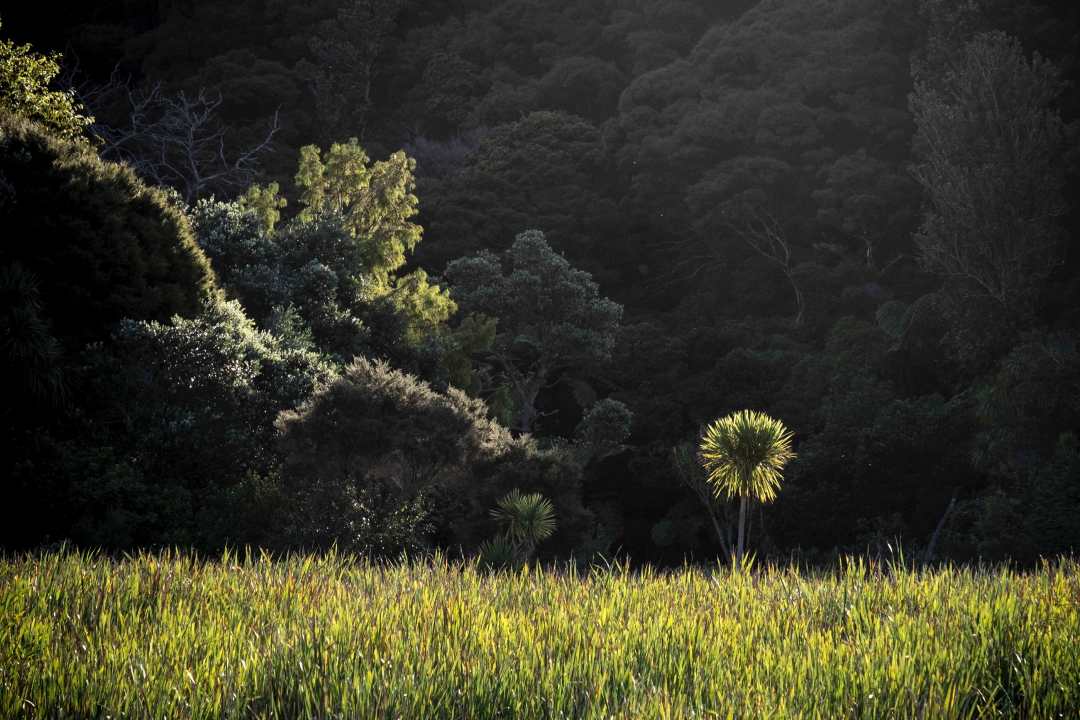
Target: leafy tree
759	91
546	170
314	267
990	146
448	93
585	86
170	439
652	33
199	398
1025	449
744	454
337	263
603	429
870	202
243	254
375	203
347	50
25	77
266	202
551	317
474	335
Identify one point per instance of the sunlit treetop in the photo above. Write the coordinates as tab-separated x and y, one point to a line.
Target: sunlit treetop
25	77
744	454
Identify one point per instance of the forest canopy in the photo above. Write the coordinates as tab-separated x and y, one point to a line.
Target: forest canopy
358	272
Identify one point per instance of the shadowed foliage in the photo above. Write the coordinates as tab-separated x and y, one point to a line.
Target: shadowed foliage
103	245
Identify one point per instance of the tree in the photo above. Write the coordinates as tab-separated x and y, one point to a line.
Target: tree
25	77
376	204
346	53
526	521
178	140
266	202
545	170
551	317
765	235
744	454
752	199
102	245
197	400
169	437
990	148
337	263
602	430
688	467
585	86
870	203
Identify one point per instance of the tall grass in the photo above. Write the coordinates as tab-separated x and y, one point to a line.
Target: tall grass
168	636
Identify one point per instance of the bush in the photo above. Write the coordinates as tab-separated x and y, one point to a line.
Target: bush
102	245
362	455
173	439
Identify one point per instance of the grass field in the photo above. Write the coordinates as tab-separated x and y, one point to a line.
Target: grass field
167	636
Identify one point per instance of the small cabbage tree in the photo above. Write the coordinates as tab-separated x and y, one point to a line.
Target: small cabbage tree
526	521
744	454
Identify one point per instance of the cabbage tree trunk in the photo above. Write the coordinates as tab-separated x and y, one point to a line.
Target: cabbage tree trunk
742	528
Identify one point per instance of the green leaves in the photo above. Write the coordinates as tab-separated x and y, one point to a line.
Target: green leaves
497	553
550	314
24	88
990	145
744	454
374	201
526	519
266	202
375	204
368	446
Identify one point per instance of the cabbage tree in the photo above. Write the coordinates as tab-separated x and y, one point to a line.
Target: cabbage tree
744	454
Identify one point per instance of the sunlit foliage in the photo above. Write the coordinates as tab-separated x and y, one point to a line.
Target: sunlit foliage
27	88
744	454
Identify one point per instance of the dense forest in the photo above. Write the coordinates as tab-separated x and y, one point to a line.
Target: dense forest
360	272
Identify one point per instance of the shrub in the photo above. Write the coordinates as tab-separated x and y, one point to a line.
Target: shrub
102	245
362	455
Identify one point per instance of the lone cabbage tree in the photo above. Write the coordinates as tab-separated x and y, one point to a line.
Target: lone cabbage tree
744	454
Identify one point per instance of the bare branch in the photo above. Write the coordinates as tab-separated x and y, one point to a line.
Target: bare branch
764	233
175	139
